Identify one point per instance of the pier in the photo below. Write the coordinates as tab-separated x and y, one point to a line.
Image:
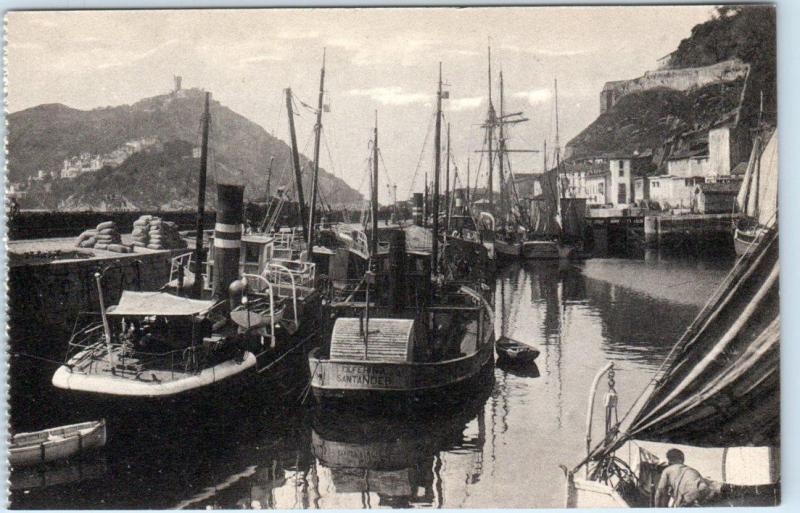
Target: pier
621	232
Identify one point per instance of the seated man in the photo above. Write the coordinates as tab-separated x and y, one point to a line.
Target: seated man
683	484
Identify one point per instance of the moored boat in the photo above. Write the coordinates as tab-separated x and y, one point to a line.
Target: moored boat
415	339
515	352
157	346
59	443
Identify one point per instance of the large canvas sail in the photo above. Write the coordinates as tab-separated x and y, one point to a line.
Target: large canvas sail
720	384
544	208
758	196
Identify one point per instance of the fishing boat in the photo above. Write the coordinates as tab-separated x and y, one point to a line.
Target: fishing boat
515	352
416	339
716	398
59	443
251	316
154	346
758	197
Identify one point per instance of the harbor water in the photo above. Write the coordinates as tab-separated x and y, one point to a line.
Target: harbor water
501	450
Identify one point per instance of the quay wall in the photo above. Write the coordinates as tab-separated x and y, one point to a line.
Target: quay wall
48	297
28	224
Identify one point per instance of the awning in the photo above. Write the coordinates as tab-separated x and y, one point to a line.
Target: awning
158	303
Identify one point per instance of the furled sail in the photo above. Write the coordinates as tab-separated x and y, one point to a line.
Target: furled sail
720	386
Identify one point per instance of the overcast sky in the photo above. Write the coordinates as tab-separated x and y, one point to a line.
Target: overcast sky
377	59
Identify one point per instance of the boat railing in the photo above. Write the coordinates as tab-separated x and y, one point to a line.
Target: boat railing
282	277
263	288
179	265
128	362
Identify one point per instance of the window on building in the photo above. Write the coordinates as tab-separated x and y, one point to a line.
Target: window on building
621	194
621	168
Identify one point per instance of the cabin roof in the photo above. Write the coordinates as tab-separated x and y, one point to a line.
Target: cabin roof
141	304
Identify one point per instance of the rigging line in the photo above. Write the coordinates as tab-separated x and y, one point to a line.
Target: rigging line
421	154
385	169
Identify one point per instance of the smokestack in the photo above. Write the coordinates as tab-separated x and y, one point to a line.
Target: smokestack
416	209
227	237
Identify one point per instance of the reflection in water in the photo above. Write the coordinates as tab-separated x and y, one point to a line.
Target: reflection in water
396	461
502	450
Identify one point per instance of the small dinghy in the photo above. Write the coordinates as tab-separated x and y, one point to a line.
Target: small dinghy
513	351
27	449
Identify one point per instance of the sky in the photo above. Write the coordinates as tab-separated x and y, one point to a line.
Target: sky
383	60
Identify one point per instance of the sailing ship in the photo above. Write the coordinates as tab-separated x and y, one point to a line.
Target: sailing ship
758	196
251	313
417	339
545	237
716	396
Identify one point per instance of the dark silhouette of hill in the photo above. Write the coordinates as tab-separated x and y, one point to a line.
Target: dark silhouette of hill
240	151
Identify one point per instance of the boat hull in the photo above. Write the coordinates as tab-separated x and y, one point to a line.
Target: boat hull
373	385
541	250
507	250
743	240
57	444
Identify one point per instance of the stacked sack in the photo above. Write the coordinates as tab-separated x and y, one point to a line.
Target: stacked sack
154	233
106	236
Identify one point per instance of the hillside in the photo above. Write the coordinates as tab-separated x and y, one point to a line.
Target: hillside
42	137
743	32
644	121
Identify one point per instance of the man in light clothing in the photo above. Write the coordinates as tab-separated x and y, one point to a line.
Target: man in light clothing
683	484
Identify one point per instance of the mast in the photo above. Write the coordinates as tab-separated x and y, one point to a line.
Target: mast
269	179
298	175
425	204
373	241
201	200
466	200
436	168
490	134
500	157
447	183
317	137
558	158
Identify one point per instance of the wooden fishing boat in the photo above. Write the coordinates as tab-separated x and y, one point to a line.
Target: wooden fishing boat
541	250
27	449
413	336
513	351
716	398
507	249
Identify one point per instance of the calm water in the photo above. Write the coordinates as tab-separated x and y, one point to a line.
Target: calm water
503	450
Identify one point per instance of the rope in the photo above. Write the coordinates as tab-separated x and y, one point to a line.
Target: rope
421	154
281	357
18	354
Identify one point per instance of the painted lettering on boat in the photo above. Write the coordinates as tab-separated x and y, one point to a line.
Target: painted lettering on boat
366	376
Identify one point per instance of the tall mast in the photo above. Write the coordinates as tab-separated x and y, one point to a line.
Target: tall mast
436	168
298	175
490	134
447	183
558	157
373	242
269	178
317	137
201	199
425	204
466	200
501	156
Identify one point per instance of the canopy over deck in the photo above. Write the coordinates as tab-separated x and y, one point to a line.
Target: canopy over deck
140	304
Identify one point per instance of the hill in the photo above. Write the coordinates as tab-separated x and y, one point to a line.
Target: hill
736	32
40	138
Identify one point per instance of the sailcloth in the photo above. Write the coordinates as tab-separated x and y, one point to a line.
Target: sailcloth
758	196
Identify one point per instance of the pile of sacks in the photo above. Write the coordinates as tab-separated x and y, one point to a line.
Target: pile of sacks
106	236
154	233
